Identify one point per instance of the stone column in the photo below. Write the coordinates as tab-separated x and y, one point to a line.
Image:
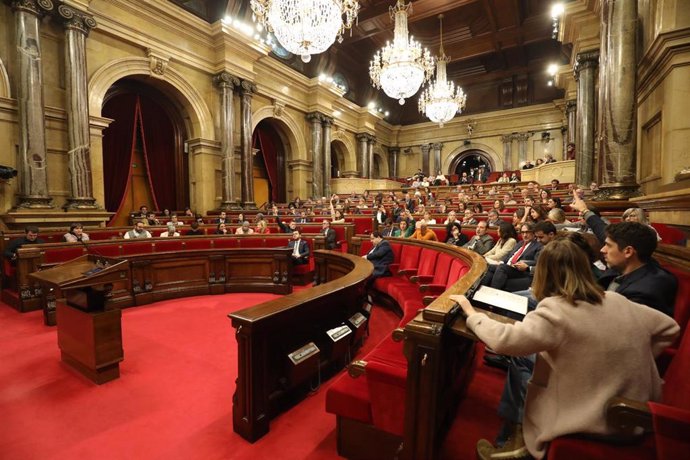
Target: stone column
32	136
617	100
585	69
426	148
77	26
247	89
507	140
226	84
436	165
326	123
371	141
316	153
522	146
363	154
393	156
571	118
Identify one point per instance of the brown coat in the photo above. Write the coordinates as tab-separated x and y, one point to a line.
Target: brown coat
587	354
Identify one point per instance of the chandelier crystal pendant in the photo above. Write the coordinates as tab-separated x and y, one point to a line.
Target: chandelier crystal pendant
306	27
441	100
401	67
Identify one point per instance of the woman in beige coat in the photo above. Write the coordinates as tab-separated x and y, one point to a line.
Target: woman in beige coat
580	363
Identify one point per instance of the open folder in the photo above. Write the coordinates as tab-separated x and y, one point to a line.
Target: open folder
500	302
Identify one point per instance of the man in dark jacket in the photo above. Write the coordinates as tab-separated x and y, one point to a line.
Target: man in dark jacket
381	255
300	248
328	234
30	237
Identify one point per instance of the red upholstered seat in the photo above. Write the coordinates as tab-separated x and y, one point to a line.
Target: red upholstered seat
144	247
98	235
198	243
388	351
427	263
59	255
365	247
397	249
169	245
349	397
409	258
251	242
682	307
225	242
107	250
276	242
387	385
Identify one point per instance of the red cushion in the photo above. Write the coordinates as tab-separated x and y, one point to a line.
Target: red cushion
59	255
137	248
387	391
169	245
388	351
251	242
682	306
577	448
409	257
671	431
397	249
108	250
427	262
225	242
349	397
197	243
442	268
677	377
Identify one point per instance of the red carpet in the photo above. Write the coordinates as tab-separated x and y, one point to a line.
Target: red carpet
172	401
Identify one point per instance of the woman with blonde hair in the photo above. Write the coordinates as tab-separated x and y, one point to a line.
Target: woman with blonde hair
580	365
638	215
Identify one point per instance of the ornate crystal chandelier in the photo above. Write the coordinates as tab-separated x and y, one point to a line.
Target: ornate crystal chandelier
306	27
441	100
401	67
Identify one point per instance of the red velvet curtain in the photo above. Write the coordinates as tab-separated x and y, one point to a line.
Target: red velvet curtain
267	145
159	153
118	146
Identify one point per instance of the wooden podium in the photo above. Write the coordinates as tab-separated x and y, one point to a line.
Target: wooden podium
89	331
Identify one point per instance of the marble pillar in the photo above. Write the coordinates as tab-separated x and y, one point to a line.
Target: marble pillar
617	100
314	119
436	165
247	90
32	136
585	69
571	120
363	153
507	140
77	26
522	139
426	149
326	123
226	84
371	141
393	157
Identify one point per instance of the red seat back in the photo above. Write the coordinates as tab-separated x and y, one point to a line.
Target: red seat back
409	257
397	249
198	243
682	306
677	377
169	245
59	255
457	270
107	250
137	248
225	242
442	268
427	262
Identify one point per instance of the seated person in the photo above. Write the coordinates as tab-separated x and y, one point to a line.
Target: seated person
75	234
507	239
262	227
170	232
468	218
480	243
222	218
221	229
194	230
137	232
174	221
574	317
422	232
404	230
517	265
381	255
300	248
289	228
493	220
151	219
388	229
143	212
30	237
188	212
455	236
245	229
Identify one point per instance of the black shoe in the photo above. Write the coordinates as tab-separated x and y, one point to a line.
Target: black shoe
497	361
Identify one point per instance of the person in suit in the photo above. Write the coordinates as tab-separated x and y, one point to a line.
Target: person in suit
518	265
481	242
300	248
381	255
222	218
328	234
381	215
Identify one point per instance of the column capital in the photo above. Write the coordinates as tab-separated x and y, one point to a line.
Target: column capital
570	106
314	117
586	60
35	7
247	88
74	19
437	145
326	121
523	137
225	80
364	137
425	148
371	139
507	138
394	150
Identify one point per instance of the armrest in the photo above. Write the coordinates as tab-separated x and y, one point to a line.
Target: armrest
671	430
394	268
357	368
627	414
421	278
432	288
427	299
408	272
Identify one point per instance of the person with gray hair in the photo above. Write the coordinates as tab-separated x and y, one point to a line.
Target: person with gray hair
638	215
245	229
170	232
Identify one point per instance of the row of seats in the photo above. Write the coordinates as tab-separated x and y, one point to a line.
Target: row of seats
420	273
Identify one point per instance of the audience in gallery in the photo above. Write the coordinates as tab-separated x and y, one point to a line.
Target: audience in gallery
222	229
493	218
455	236
76	233
244	229
171	231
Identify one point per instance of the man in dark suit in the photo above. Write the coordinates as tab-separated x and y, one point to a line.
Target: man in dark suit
633	273
300	248
328	234
381	255
222	218
517	265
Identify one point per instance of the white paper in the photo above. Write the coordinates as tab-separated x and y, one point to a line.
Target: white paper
501	299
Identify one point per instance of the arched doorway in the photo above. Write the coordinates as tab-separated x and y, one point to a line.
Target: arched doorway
144	162
470	161
269	162
338	153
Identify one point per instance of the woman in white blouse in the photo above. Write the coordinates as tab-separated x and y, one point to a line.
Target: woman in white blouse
506	243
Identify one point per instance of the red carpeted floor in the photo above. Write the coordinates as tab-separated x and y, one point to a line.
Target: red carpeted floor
174	397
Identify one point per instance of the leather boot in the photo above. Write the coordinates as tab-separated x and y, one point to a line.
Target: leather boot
513	449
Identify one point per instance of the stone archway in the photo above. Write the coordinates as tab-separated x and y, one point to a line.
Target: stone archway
338	158
483	150
348	149
4	81
380	166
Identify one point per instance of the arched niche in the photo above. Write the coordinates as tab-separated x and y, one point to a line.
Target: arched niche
4	81
348	149
338	158
486	152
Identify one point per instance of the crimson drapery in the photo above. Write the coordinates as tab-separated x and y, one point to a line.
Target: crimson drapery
266	144
118	147
158	140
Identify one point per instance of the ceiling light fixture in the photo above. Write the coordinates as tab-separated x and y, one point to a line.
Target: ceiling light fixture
401	67
441	100
306	27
